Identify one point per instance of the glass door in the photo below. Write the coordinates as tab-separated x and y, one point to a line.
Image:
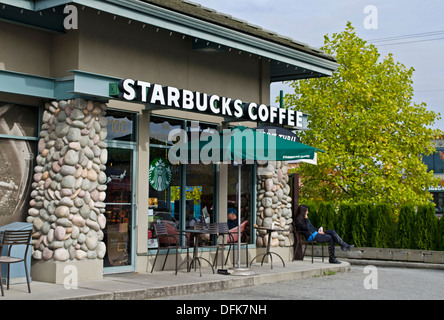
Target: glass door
119	208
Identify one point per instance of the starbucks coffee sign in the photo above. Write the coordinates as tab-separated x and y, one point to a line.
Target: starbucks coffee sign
160	174
155	94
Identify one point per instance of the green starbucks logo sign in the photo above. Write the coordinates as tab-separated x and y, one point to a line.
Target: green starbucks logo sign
160	174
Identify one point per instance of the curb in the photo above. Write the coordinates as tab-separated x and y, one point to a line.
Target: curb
395	264
231	282
239	282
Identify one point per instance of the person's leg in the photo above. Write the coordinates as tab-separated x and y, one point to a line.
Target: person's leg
324	238
338	240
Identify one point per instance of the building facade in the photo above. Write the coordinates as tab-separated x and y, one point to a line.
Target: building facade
90	92
435	162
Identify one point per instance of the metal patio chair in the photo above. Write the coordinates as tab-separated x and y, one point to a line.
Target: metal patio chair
222	229
171	241
303	241
11	238
232	240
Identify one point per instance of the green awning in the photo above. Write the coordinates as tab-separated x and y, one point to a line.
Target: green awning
241	144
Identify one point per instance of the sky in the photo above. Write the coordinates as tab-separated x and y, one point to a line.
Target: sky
412	30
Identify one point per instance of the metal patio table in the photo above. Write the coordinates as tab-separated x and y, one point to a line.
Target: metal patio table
268	253
196	259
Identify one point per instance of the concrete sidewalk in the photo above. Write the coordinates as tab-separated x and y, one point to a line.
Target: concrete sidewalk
137	286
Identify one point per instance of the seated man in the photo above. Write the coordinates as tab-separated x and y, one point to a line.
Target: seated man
232	218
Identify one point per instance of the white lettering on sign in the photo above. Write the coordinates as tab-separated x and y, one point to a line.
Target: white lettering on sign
132	90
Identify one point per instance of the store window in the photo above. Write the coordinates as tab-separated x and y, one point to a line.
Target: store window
18	147
179	194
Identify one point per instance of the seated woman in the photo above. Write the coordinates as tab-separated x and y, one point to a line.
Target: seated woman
303	224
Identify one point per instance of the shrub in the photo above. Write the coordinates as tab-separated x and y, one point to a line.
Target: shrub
343	222
381	226
360	225
439	243
425	227
326	216
374	225
405	227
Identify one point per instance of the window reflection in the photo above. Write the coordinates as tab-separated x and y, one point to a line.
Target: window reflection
160	129
17	120
121	126
19	128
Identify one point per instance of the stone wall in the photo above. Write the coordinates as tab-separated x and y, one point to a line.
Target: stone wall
366	254
274	205
68	189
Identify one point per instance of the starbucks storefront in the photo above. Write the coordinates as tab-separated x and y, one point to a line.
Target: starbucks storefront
98	106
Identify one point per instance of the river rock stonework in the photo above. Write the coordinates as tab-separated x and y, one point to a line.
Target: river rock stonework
274	205
68	190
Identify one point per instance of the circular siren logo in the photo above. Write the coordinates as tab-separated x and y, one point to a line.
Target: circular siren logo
160	174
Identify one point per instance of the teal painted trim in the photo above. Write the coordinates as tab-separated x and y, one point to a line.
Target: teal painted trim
160	146
121	144
92	84
26	84
82	85
119	269
135	206
64	88
23	4
46	4
33	5
7	136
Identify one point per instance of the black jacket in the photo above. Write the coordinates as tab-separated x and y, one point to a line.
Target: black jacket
307	228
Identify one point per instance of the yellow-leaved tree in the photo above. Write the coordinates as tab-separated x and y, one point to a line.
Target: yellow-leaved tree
364	118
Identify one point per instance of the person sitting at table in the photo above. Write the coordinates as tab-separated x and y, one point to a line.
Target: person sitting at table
192	220
232	218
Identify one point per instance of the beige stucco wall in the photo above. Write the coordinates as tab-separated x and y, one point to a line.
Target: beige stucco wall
117	48
114	47
25	50
37	52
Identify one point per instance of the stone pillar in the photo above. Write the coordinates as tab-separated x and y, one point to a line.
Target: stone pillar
69	188
274	205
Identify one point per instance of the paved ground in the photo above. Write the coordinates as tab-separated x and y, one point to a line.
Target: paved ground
392	283
299	280
164	284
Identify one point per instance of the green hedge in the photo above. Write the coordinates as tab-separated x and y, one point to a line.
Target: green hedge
377	225
405	227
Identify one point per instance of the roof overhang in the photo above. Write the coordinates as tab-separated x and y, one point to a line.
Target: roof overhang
286	63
